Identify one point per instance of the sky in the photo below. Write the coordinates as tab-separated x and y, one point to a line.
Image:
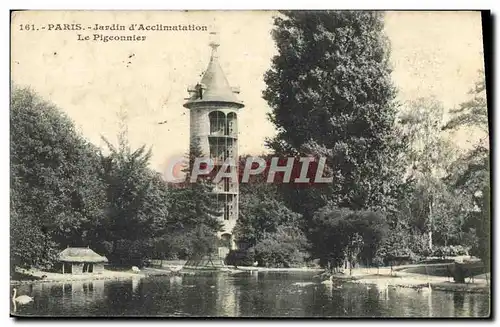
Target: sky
145	82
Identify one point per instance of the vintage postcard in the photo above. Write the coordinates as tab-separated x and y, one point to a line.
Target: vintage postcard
250	164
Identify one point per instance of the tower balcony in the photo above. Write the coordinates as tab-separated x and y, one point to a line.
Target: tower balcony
218	161
217	191
220	134
225	187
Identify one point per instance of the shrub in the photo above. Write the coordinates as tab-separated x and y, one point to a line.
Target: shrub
240	258
284	248
449	251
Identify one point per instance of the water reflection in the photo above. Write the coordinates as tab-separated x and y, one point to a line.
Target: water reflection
262	294
176	281
61	298
135	285
227	306
459	300
429	301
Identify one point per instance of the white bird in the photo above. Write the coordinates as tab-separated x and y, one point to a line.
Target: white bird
329	281
303	284
135	269
426	289
22	299
175	269
384	290
256	263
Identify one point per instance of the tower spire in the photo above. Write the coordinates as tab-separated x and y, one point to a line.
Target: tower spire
213	86
214	43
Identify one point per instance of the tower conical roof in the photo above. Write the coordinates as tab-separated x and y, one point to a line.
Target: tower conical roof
214	85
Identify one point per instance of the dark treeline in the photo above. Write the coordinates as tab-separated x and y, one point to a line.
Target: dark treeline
66	192
401	188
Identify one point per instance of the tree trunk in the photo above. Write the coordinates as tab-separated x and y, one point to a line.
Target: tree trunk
430	224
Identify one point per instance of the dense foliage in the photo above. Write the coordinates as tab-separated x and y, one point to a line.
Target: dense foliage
402	190
343	235
66	192
331	95
57	195
470	174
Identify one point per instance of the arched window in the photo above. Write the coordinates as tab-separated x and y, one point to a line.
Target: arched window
217	122
232	127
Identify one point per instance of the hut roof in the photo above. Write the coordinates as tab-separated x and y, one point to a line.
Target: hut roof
80	255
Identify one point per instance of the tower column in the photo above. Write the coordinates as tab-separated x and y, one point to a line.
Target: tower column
214	110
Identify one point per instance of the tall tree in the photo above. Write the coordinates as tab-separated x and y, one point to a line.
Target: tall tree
471	172
197	208
428	158
331	95
474	112
137	200
56	188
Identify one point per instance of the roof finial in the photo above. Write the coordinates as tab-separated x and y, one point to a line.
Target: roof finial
214	43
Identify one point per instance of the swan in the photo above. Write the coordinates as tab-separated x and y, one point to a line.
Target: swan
22	299
303	284
329	281
175	269
384	289
426	289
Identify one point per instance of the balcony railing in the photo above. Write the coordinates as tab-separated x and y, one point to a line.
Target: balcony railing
220	161
225	188
220	133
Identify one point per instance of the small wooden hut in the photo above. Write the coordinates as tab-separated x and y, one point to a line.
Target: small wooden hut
81	260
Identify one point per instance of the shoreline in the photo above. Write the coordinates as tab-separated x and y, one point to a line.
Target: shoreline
381	278
123	275
65	278
263	269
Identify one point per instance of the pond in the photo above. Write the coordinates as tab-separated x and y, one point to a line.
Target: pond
262	294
